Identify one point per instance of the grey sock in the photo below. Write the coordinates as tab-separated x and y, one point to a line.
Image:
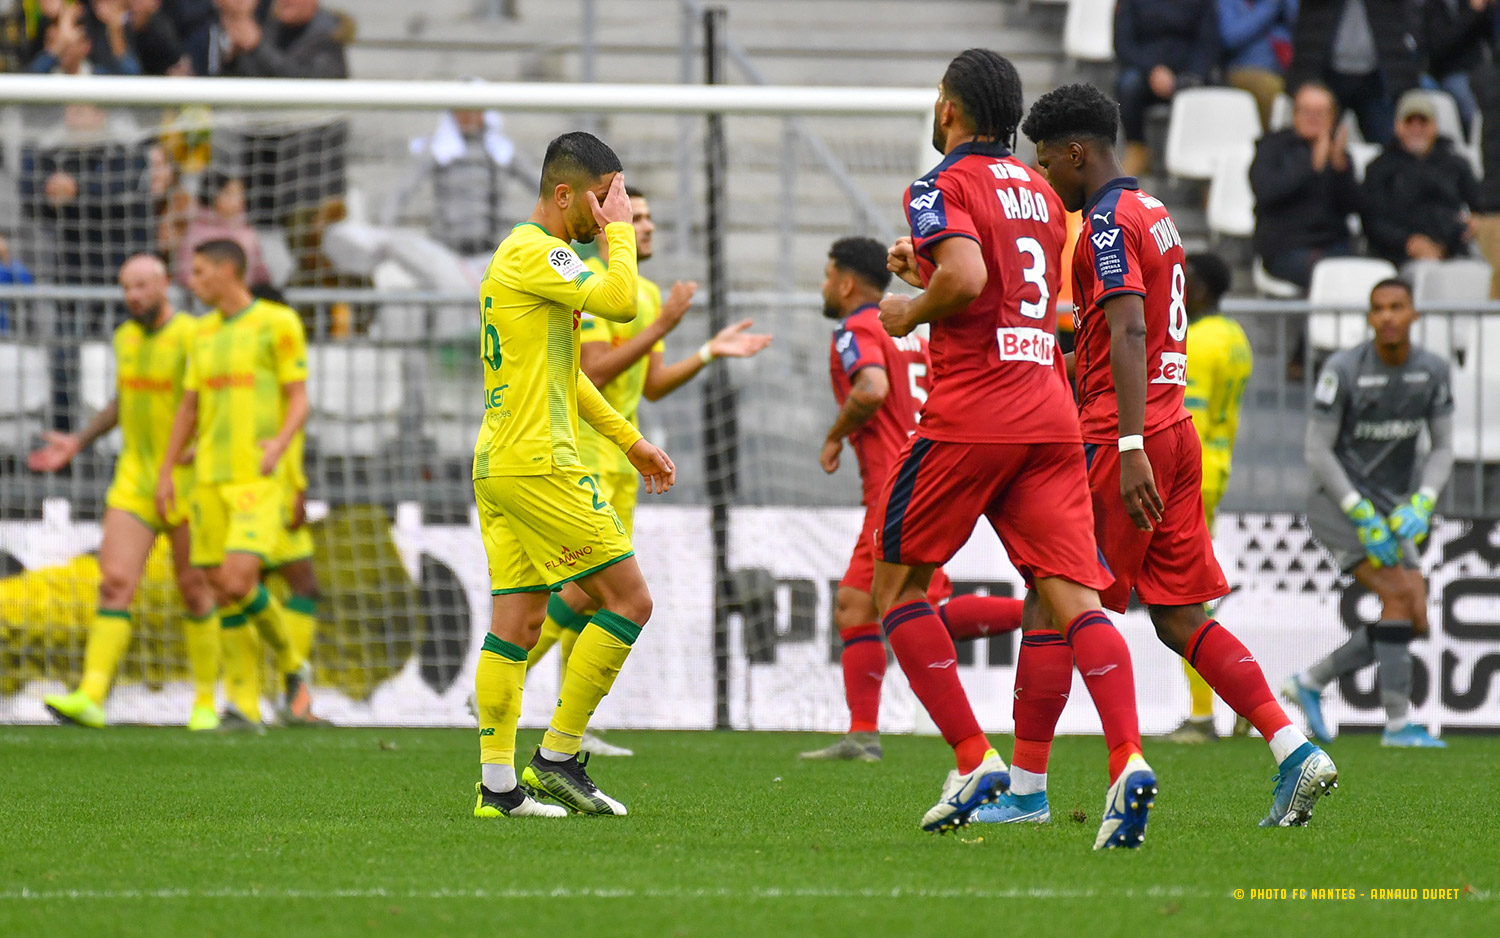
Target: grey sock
1393	651
1356	653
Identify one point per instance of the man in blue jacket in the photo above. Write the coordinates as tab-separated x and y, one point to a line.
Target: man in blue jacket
1257	38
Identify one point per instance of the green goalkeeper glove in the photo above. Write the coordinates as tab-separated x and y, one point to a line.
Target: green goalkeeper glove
1412	520
1382	549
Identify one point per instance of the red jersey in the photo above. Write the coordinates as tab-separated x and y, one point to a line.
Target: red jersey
996	372
1129	245
862	342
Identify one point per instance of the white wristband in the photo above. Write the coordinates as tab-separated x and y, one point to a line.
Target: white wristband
1131	443
1349	501
705	354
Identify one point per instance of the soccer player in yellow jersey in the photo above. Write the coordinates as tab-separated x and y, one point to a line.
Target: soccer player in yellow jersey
245	398
542	515
151	349
1219	364
625	362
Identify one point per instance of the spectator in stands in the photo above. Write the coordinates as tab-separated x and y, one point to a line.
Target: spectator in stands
1486	83
1457	36
299	40
1304	189
467	159
1257	38
1363	50
155	40
11	271
194	22
1418	192
1162	46
220	215
97	45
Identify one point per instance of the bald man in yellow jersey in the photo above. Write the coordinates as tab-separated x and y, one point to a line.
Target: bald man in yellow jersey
1218	369
151	350
244	401
544	520
625	362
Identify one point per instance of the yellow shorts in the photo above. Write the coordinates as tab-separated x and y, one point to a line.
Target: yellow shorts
237	518
622	491
543	531
1215	480
290	547
133	490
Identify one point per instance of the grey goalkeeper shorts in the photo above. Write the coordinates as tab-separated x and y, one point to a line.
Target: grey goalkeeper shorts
1339	537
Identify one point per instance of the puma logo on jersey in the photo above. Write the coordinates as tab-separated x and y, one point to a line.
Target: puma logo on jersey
1105	239
1102	216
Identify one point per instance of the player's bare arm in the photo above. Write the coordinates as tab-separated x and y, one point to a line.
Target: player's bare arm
654	465
296	416
1126	314
733	341
183	426
902	261
60	448
604	363
957	279
866	396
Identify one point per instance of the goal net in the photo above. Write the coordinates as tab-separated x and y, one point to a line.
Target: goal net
373	208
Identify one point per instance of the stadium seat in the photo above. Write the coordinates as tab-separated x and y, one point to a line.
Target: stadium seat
96	378
1476	154
1089	30
1476	396
1340	296
1205	122
1361	155
1449	123
1272	287
1281	113
1231	202
24	389
355	394
1465	280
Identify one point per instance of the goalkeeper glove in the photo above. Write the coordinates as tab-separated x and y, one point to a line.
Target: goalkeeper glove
1412	520
1382	548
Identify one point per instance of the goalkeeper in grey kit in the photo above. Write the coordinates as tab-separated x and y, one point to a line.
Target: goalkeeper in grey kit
1372	500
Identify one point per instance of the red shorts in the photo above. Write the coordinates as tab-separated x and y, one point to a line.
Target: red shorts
1034	496
861	572
1173	565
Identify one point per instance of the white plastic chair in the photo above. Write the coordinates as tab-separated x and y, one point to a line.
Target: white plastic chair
1281	113
96	382
1231	202
25	386
1476	396
1465	280
1272	287
1204	123
1361	155
1449	123
354	393
1340	297
1089	30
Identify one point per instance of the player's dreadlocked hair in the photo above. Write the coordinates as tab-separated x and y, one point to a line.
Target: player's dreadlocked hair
863	257
1073	112
575	157
987	85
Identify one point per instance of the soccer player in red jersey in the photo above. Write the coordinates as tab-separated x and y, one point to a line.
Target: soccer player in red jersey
1145	461
999	438
880	384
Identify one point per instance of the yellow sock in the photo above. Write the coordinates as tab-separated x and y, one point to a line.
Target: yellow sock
301	617
551	632
265	613
596	660
109	636
203	655
569	624
1202	694
241	657
566	645
497	693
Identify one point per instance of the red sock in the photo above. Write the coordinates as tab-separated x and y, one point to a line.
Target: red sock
926	655
1104	661
970	617
1044	675
1235	676
864	670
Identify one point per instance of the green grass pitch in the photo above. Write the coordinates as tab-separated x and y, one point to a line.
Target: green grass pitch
153	832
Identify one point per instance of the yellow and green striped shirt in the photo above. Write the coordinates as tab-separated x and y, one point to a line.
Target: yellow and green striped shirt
1218	368
150	365
239	366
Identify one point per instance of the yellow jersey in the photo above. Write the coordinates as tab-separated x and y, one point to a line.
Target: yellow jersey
1218	368
624	392
532	300
238	367
150	365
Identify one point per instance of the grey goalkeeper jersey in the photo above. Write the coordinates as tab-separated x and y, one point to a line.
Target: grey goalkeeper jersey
1379	412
